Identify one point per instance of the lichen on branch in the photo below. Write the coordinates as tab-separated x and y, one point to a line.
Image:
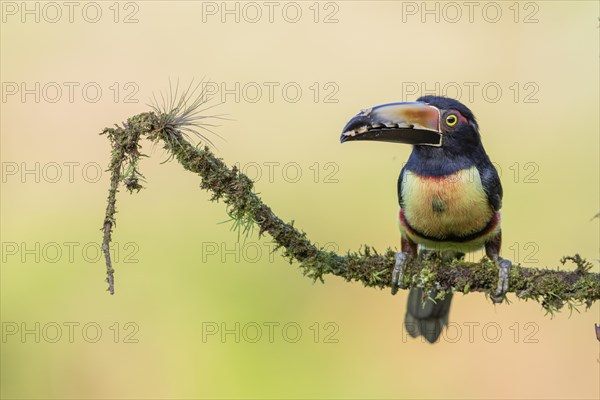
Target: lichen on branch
169	124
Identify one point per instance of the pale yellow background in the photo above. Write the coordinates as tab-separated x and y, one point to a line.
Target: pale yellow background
171	294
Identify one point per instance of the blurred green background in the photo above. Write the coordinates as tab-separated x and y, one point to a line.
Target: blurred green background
528	70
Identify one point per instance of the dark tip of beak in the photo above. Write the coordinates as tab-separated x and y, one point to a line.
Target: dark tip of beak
347	138
356	123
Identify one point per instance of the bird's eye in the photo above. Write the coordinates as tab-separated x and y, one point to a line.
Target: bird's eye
451	120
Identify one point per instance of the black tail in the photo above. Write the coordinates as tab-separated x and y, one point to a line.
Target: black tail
424	317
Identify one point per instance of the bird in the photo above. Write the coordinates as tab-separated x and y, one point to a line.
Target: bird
449	193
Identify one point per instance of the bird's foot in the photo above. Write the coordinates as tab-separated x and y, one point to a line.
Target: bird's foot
398	272
503	273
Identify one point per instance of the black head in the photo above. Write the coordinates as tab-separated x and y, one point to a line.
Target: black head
457	123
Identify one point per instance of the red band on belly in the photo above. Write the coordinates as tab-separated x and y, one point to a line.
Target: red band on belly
491	225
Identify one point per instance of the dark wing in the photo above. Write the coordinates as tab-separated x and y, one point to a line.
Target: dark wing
400	179
491	183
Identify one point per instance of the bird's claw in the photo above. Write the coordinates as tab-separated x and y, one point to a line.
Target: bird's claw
398	272
503	273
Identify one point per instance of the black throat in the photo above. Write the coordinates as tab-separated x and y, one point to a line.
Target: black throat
445	160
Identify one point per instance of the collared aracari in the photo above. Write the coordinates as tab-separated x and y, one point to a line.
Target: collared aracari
449	193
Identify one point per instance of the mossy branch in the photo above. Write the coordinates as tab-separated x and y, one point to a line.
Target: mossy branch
550	287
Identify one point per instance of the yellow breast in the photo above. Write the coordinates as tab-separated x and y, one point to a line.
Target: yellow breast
452	205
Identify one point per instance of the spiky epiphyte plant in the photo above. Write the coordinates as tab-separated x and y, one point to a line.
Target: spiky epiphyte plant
182	113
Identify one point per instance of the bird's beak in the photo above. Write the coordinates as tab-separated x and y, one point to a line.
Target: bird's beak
412	123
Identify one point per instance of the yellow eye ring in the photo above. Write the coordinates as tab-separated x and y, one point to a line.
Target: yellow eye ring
451	120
